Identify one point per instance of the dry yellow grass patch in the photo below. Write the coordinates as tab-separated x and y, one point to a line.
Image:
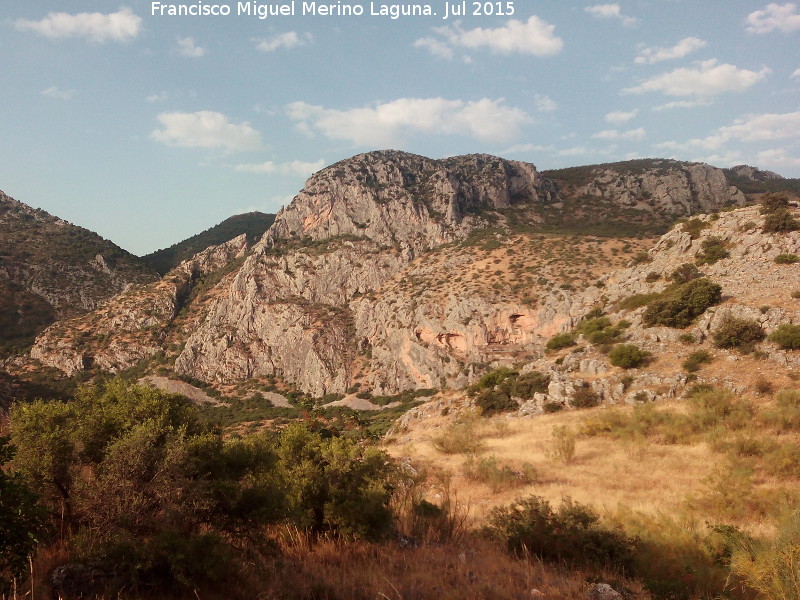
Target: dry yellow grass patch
605	473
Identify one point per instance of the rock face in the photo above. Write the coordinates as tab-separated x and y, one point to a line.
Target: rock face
399	272
50	269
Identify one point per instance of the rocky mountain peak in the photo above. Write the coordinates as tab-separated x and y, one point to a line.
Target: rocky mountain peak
393	197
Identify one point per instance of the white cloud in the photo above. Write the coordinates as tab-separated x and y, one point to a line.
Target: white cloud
613	134
648	56
120	26
205	129
58	94
535	36
288	40
295	167
387	124
706	79
682	104
778	159
610	11
780	17
618	116
156	97
767	127
544	103
796	74
187	47
435	47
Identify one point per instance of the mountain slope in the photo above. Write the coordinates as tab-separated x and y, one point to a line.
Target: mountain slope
391	271
252	224
51	269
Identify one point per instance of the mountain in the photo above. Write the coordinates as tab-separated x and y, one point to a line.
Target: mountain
51	269
252	224
391	272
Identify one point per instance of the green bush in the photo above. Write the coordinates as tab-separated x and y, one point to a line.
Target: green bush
636	301
694	226
526	385
713	249
584	397
786	259
23	521
742	334
495	401
780	221
460	438
695	360
678	306
628	356
571	535
786	336
685	273
498	478
773	202
560	340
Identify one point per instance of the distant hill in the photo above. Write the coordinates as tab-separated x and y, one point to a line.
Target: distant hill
254	224
51	269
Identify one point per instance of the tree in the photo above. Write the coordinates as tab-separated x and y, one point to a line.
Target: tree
23	522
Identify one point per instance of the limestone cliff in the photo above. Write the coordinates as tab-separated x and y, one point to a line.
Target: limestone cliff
395	271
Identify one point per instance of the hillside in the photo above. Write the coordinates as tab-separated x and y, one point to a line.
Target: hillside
392	272
252	224
51	269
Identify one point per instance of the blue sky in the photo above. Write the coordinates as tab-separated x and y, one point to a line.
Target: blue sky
150	128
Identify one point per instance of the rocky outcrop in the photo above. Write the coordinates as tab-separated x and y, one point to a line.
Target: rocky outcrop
379	274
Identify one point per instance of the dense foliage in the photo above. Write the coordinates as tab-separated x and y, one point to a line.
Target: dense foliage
679	305
153	494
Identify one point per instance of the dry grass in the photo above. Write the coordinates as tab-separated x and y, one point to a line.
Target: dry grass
605	473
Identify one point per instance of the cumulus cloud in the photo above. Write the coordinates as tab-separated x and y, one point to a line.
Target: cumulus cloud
288	40
766	127
189	48
796	74
295	167
613	134
649	56
58	94
387	124
121	26
706	78
157	97
774	17
682	104
778	158
619	116
610	11
205	129
544	103
534	36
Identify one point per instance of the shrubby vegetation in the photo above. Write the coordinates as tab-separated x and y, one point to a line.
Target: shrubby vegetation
679	305
741	334
786	336
560	340
628	356
495	391
145	487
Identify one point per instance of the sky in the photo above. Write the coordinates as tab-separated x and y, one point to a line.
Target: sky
148	127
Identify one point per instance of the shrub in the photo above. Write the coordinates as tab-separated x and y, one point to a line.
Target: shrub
786	259
494	378
773	202
742	334
713	250
641	257
563	445
498	478
23	522
495	401
695	360
685	273
764	386
636	301
552	407
460	438
560	340
528	384
687	338
796	294
572	534
628	356
694	226
780	221
678	306
585	397
786	336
